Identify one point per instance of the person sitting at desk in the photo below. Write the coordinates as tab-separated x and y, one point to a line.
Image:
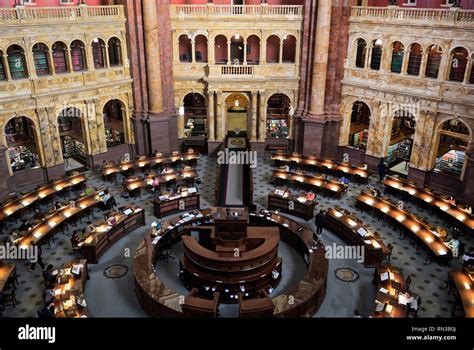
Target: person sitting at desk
285	168
89	228
25	226
468	258
47	311
57	205
14	236
452	200
48	295
365	166
156	153
75	239
167	170
454	245
412	303
345	181
48	275
13	164
310	196
468	209
105	199
39	215
155	183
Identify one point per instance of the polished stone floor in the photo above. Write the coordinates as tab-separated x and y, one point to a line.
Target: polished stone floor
116	297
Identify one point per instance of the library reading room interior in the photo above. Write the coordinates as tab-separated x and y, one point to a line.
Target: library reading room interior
237	158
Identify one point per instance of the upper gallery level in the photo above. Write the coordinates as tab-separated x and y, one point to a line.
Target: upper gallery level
51	3
466	4
43	49
420	52
251	41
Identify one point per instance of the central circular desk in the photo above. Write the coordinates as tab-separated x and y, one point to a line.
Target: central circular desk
211	281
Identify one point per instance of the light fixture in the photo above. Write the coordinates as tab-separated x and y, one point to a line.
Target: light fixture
181	111
236	103
96	40
378	42
237	36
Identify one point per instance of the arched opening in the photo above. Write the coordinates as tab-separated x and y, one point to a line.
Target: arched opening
195	115
220	49
59	57
115	52
289	49
71	131
397	57
273	49
433	63
17	62
98	53
21	136
278	116
376	57
185	48
40	57
3	75
200	48
114	115
361	53
237	49
414	61
237	113
454	137
253	49
458	64
78	56
471	78
401	141
360	123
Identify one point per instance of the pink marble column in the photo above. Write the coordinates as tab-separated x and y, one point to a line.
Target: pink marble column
153	61
321	56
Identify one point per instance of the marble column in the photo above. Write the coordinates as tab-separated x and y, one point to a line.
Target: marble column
263	50
229	43
5	67
211	59
280	55
262	112
210	117
175	43
253	123
219	112
52	70
89	54
153	63
368	56
69	61
467	75
245	52
320	62
406	58
193	50
424	62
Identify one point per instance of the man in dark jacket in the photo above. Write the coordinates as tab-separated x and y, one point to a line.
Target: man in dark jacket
382	167
319	221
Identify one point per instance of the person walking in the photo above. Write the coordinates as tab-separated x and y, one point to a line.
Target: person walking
38	257
382	167
319	221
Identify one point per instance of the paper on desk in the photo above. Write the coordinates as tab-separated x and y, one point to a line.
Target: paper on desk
383	290
384	276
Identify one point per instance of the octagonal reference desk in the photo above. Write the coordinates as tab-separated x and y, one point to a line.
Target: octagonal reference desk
258	247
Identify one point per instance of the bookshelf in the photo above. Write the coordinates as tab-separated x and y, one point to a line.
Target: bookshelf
16	63
2	69
77	56
41	62
59	59
114	137
73	148
452	161
98	54
359	139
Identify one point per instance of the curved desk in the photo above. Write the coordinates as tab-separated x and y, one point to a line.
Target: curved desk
28	199
294	205
149	161
50	223
434	200
142	182
417	227
464	282
309	180
107	233
390	283
322	164
71	281
160	301
353	231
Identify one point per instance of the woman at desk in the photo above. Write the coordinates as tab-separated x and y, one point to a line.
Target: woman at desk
155	184
14	237
25	226
454	244
310	196
57	205
39	215
452	200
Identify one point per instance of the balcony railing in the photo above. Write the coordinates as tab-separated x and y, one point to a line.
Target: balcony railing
451	16
237	70
60	14
224	11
